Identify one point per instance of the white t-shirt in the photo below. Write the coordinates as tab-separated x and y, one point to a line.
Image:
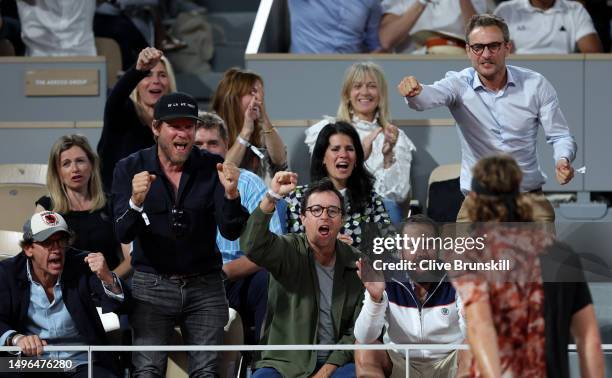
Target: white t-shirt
439	15
552	31
57	27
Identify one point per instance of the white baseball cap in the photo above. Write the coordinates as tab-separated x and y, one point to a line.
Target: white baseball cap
44	224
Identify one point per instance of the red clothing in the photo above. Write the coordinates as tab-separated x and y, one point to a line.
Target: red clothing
516	298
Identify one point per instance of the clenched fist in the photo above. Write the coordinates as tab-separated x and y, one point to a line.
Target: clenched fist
409	87
564	171
284	182
97	264
228	176
148	59
141	183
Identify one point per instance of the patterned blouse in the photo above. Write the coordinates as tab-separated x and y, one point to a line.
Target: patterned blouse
355	224
516	298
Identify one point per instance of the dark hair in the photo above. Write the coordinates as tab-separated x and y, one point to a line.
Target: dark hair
421	219
28	241
361	182
323	185
211	121
483	20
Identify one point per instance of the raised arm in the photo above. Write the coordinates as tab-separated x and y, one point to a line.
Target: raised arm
371	319
423	97
230	215
262	246
129	193
395	28
274	144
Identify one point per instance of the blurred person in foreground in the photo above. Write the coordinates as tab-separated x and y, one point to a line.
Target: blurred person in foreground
511	315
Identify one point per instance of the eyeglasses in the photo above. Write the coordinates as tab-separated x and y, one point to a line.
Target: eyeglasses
50	243
317	210
478	48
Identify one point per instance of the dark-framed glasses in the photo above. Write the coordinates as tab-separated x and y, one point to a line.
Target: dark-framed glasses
478	48
54	242
317	210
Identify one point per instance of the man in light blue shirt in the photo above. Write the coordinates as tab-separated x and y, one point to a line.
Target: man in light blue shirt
46	296
334	27
498	109
247	284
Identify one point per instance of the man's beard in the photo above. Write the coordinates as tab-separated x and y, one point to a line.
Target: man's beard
168	151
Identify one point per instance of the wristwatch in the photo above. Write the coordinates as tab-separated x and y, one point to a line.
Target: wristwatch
112	286
13	338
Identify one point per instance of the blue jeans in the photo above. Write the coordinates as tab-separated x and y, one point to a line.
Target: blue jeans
345	371
197	304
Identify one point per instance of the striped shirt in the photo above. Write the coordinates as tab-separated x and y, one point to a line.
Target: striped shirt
252	189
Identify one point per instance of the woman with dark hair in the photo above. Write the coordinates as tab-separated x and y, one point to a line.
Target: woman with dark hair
338	155
75	192
508	312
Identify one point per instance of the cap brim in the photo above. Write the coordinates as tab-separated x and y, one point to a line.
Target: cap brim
46	234
175	116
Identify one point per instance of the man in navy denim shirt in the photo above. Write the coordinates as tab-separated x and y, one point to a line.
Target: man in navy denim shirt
169	199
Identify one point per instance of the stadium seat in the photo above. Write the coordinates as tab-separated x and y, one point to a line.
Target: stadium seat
6	48
230	360
109	48
20	186
9	243
444	197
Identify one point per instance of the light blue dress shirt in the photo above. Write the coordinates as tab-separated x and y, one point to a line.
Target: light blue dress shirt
252	189
506	121
334	26
52	322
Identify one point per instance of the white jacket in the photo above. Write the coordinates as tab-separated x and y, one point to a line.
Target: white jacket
438	321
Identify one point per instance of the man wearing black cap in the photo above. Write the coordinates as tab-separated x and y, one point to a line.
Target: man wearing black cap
46	296
169	199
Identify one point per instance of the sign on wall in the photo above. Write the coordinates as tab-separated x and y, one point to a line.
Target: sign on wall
84	82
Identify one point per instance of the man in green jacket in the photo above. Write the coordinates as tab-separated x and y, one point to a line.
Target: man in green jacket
315	295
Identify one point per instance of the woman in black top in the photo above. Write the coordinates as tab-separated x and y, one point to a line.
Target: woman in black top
128	113
73	180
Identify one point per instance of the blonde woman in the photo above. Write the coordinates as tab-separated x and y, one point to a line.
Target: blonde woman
254	144
388	151
75	192
128	113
